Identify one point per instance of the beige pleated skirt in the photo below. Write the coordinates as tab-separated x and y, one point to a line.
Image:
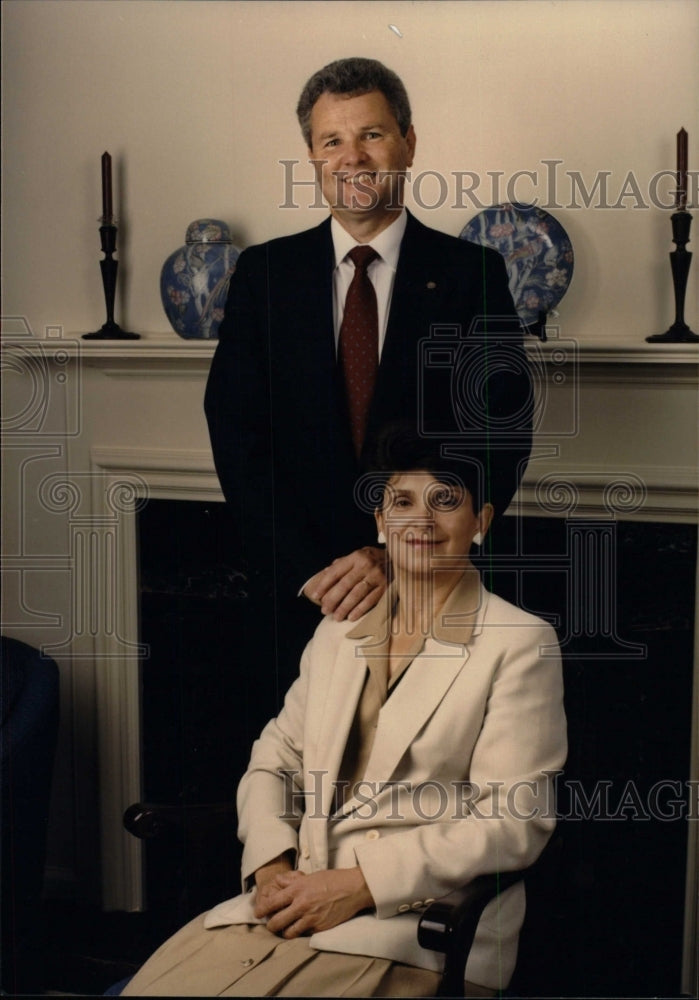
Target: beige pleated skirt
249	961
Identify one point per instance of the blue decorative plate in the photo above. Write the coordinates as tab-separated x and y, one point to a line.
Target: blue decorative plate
538	255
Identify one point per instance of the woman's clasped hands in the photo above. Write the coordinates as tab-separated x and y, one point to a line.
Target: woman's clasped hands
296	903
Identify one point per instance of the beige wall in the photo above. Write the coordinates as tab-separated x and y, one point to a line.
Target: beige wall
195	101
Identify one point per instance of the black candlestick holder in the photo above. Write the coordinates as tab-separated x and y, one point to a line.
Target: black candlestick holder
680	259
110	330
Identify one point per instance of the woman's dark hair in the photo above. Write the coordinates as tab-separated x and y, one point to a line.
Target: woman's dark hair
399	449
353	77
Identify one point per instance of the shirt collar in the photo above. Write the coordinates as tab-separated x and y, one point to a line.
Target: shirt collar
386	244
458	620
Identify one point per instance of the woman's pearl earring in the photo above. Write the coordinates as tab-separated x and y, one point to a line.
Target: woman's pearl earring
381	538
478	538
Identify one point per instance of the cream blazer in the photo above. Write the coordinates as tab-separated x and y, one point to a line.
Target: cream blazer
459	780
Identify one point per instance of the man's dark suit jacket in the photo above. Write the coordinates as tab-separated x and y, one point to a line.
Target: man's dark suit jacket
452	362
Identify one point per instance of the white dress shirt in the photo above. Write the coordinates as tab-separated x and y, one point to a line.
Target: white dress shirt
382	271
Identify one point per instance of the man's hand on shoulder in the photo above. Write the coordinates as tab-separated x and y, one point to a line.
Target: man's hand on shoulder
351	585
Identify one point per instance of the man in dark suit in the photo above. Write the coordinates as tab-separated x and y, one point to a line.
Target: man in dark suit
450	361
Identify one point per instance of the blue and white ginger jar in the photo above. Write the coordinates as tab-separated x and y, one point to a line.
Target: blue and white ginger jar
194	279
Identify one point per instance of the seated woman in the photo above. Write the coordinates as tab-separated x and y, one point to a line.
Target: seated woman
414	752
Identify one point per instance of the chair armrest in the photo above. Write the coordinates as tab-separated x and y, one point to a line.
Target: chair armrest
148	820
449	925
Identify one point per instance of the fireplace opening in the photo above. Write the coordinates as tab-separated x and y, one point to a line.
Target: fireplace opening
194	742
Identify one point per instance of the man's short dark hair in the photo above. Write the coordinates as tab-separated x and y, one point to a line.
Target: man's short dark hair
353	77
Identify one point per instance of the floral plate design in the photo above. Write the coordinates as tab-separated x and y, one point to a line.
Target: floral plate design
538	256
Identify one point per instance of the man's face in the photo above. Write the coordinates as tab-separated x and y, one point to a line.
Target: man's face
365	156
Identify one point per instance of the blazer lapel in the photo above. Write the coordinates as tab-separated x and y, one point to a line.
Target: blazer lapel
427	681
342	693
410	706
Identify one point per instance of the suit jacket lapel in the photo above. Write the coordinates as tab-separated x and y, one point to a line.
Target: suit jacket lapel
317	310
308	280
306	319
420	282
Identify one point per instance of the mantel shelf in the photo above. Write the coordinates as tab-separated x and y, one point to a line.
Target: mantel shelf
166	353
164	345
157	355
151	345
622	353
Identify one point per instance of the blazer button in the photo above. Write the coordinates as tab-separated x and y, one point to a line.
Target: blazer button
429	902
404	907
305	853
417	905
247	962
372	835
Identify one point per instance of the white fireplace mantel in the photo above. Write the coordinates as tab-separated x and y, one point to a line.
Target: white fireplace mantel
605	410
152	350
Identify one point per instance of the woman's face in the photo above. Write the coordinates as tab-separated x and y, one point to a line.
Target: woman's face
423	518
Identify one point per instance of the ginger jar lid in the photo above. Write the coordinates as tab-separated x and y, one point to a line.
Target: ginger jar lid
208	231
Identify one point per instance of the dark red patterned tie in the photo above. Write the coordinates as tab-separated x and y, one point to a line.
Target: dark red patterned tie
359	343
